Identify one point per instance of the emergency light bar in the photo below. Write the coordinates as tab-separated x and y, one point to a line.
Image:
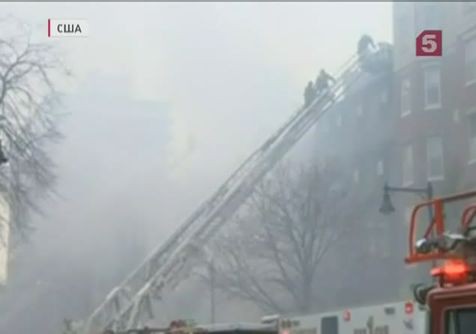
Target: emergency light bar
453	272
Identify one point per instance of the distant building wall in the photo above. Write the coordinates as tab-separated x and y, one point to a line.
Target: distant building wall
358	137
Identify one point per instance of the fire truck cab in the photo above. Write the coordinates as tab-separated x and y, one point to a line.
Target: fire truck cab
453	311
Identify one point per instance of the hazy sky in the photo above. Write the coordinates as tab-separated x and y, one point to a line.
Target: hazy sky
221	77
229	72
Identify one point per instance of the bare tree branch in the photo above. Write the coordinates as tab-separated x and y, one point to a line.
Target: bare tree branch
28	122
273	250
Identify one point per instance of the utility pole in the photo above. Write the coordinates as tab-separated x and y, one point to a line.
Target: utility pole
426	193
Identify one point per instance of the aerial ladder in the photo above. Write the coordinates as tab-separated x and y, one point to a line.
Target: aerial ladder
130	303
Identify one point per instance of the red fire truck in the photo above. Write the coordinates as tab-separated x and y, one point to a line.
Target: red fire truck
447	306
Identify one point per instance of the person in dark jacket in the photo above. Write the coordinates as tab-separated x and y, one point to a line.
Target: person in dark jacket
365	44
309	94
323	82
374	57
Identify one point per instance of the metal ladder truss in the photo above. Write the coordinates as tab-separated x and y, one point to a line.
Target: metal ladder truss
131	302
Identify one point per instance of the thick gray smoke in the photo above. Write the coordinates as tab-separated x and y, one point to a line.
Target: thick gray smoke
166	100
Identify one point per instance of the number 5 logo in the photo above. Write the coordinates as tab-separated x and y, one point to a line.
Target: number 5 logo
429	43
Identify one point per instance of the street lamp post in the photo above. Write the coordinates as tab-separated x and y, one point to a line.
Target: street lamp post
387	206
426	192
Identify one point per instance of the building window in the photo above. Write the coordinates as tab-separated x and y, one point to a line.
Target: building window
373	244
356	176
470	61
380	168
406	97
456	117
472	137
384	96
404	36
322	163
359	110
324	126
407	166
468	7
428	16
339	118
432	82
434	154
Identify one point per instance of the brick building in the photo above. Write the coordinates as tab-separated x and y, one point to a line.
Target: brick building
413	125
435	103
436	96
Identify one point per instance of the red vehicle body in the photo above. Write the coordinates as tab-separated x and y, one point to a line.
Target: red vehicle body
447	303
451	300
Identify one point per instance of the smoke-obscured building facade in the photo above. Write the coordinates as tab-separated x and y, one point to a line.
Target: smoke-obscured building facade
436	96
358	136
415	125
436	103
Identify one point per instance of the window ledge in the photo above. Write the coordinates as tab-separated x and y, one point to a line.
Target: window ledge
405	114
433	106
470	83
408	183
436	178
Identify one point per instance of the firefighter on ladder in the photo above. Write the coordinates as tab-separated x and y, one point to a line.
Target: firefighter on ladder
309	94
320	87
374	57
365	46
323	82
